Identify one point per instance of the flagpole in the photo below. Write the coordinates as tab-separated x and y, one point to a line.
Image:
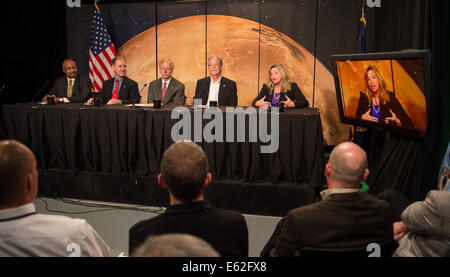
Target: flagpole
363	13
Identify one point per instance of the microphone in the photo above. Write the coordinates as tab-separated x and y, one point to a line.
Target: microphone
134	106
39	91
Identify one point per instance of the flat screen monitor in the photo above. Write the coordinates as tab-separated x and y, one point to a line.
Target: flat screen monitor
387	90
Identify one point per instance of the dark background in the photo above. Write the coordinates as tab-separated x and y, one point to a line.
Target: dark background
38	36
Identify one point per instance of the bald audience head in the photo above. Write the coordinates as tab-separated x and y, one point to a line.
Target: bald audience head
18	175
184	171
175	245
347	166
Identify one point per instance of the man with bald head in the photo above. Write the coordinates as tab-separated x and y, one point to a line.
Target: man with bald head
185	173
73	87
23	232
345	217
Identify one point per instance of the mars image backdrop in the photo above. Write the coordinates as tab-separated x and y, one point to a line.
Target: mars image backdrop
250	36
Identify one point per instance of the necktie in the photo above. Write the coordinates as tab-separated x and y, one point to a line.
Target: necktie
115	94
164	91
69	89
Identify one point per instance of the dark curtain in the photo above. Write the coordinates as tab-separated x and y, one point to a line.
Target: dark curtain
34	34
411	166
34	45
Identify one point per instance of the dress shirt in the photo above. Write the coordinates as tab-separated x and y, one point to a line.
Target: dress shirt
24	233
214	88
324	194
167	83
114	86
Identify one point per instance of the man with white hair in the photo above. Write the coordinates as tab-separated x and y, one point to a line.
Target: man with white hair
216	88
167	89
345	217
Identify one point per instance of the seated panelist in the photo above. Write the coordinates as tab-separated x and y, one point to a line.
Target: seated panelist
120	89
73	87
280	89
216	87
167	89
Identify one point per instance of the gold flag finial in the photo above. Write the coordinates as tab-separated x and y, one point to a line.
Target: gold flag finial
95	4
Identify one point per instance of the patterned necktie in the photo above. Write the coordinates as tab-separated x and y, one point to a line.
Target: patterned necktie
164	91
69	89
115	94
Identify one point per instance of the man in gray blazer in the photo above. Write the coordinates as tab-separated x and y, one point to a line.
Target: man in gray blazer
167	89
425	227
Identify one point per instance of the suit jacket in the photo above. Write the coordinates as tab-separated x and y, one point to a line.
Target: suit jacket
128	92
174	93
225	230
364	105
80	88
227	91
295	94
340	220
428	223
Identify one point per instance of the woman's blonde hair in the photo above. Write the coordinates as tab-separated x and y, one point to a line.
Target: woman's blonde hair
384	96
286	82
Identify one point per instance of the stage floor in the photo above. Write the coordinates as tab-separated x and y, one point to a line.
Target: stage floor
113	221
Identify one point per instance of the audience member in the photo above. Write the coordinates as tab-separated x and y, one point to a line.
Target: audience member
175	245
397	201
345	217
184	172
425	227
23	232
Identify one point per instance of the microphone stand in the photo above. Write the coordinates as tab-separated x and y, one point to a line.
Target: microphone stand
134	106
38	92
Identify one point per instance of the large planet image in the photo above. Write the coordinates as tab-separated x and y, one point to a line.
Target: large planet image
247	48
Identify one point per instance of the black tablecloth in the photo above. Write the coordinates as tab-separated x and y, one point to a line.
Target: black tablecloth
120	139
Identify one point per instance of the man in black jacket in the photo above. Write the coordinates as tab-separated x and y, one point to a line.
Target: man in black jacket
216	87
72	87
184	172
120	89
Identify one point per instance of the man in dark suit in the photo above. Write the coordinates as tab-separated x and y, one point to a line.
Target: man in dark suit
73	87
120	89
166	88
216	87
184	172
345	217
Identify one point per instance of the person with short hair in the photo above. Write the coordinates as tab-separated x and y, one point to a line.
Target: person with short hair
280	89
345	217
167	89
120	89
424	229
23	232
175	245
185	173
71	88
216	87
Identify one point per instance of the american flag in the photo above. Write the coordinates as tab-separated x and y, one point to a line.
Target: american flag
101	52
